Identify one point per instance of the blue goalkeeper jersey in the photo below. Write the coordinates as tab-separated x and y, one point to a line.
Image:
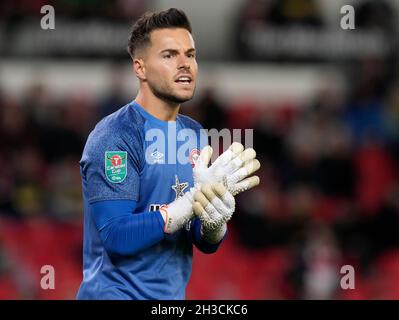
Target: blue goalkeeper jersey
131	155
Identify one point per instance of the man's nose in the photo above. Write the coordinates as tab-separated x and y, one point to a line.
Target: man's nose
183	62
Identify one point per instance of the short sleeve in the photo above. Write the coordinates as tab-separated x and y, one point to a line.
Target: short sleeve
111	165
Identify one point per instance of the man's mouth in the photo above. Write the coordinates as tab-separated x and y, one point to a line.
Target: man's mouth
184	80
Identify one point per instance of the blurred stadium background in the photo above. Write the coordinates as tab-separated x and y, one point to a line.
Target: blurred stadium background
324	103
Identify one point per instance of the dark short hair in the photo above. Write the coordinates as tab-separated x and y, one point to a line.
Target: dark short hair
150	21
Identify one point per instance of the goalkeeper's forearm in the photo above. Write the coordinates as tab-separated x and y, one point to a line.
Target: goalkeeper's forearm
122	232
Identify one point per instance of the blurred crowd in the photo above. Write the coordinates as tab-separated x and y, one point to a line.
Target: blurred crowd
372	14
14	11
307	17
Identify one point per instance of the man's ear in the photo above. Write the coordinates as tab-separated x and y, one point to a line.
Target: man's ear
139	68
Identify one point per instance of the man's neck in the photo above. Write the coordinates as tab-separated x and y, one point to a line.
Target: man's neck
158	108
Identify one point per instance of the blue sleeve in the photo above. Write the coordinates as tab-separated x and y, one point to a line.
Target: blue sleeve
124	232
112	180
200	243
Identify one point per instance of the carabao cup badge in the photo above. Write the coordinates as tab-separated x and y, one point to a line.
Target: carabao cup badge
116	166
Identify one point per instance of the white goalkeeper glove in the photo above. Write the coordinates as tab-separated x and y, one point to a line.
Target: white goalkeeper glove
214	205
231	168
177	213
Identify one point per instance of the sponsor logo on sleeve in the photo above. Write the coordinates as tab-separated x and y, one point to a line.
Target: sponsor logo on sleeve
116	166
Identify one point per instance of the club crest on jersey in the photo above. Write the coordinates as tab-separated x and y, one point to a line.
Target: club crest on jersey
116	166
194	155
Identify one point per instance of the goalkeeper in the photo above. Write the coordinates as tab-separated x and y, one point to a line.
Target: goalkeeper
142	212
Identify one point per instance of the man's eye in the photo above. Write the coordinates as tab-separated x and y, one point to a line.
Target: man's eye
167	56
191	55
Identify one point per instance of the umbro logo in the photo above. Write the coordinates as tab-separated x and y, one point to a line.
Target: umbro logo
157	156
